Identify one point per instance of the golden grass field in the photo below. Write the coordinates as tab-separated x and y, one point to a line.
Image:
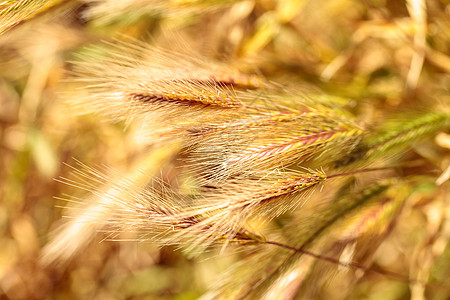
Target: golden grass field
149	146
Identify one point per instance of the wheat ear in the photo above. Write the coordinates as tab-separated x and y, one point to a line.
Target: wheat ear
130	78
271	139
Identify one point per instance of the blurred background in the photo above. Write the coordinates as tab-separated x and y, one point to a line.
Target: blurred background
375	56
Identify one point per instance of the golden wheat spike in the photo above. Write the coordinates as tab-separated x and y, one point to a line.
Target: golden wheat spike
129	78
185	93
221	214
216	216
271	140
